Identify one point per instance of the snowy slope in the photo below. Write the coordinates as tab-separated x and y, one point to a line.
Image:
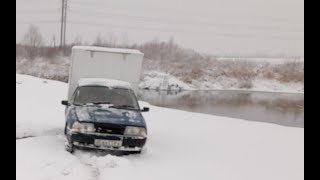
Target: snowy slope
163	81
181	145
38	106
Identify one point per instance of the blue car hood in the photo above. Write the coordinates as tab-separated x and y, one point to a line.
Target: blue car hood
105	114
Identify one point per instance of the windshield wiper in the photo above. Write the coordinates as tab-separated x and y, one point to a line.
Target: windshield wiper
101	102
91	103
124	107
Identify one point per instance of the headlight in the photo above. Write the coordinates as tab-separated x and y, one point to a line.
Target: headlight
83	127
135	131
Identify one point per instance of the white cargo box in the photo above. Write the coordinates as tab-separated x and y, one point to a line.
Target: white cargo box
108	63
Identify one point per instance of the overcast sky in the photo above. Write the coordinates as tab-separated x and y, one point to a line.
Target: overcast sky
211	26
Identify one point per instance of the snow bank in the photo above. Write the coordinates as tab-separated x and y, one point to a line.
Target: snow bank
38	106
181	145
162	81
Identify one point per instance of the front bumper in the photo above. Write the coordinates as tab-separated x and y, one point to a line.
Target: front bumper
129	143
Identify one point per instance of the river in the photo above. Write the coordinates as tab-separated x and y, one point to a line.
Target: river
285	109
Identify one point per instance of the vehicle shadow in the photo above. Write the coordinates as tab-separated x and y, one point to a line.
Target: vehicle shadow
100	153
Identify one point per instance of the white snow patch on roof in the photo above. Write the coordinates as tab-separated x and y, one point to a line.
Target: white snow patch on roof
112	83
103	49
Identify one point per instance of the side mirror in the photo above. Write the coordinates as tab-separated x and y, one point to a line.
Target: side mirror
65	102
145	109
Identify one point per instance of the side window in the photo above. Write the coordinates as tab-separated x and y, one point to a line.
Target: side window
134	98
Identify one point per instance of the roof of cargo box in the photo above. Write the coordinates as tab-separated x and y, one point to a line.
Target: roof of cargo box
111	83
103	49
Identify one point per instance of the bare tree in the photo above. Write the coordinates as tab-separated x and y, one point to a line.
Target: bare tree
32	40
77	41
112	40
125	39
99	41
103	41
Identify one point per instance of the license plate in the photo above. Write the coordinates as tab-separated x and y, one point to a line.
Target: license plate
107	143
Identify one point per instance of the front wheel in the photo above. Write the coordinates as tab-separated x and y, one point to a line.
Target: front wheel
69	147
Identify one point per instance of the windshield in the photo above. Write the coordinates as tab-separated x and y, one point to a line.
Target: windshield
103	95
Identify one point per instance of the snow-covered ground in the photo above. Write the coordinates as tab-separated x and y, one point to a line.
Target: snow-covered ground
181	145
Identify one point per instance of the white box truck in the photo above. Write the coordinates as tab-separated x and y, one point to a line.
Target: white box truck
108	63
102	111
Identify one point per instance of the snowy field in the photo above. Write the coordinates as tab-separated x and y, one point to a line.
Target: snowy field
181	145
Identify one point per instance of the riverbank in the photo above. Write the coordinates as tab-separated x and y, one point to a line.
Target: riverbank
162	81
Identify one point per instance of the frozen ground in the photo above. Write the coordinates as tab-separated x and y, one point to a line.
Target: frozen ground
181	145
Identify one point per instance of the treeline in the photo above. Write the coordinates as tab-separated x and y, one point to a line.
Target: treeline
34	58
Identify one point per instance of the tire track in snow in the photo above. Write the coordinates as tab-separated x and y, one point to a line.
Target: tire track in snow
101	163
85	160
24	137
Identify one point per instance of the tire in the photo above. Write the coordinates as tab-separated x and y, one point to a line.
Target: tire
68	146
65	129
